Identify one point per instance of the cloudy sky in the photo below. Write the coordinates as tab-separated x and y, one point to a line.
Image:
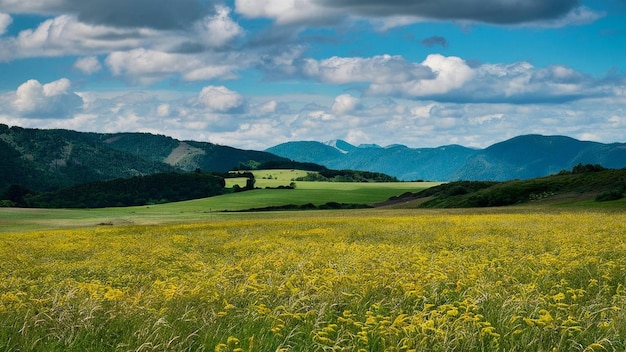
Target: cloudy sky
256	73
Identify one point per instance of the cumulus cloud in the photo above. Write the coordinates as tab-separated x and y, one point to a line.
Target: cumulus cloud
50	100
138	55
163	110
267	108
142	66
88	65
344	104
521	82
452	79
286	63
65	35
286	12
384	69
221	99
213	115
220	29
5	22
450	73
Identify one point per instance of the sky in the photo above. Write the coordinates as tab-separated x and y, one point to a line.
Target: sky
256	73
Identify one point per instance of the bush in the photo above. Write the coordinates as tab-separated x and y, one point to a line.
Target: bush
5	203
581	169
613	194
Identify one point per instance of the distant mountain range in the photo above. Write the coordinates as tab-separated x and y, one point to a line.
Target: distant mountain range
522	157
43	160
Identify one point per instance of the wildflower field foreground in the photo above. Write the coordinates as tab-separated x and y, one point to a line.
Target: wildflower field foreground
349	281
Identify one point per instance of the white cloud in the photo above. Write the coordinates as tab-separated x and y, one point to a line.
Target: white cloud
344	103
135	54
219	114
383	69
210	69
393	75
268	108
88	65
163	110
421	111
51	100
145	66
286	12
5	22
319	115
218	30
450	73
485	118
220	99
65	35
452	79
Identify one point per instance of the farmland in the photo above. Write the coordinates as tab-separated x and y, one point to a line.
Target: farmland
317	193
513	279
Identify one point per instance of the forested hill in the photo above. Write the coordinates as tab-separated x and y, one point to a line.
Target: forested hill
44	160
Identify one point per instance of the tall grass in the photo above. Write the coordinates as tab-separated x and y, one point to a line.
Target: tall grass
366	281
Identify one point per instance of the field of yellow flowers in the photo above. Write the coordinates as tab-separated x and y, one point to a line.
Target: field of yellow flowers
361	281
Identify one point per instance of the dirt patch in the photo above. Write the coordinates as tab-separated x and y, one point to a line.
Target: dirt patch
182	152
406	200
118	222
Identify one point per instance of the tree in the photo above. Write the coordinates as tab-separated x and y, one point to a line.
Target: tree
250	181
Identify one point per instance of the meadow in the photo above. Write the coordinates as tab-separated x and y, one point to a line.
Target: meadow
514	279
317	193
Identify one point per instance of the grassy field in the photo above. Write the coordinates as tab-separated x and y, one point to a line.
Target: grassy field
514	279
208	208
187	277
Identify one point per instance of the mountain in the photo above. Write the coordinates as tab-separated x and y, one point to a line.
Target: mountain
522	157
44	160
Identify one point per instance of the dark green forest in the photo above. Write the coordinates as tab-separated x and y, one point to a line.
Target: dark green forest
138	190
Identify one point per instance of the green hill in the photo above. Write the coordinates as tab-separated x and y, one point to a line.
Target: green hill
46	160
584	182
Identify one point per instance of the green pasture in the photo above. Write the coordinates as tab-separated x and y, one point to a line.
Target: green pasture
268	178
14	219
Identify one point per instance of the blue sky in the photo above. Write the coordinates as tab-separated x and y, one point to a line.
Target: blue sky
256	73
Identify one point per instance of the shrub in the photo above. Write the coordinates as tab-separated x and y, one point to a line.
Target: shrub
609	195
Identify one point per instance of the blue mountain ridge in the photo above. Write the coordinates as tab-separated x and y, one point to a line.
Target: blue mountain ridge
521	157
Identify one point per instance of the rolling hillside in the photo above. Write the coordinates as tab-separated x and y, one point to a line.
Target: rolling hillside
44	160
586	183
522	157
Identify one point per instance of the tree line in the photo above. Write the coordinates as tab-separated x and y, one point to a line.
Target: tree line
138	190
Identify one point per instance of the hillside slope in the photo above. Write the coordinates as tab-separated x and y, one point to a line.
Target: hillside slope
44	160
585	182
